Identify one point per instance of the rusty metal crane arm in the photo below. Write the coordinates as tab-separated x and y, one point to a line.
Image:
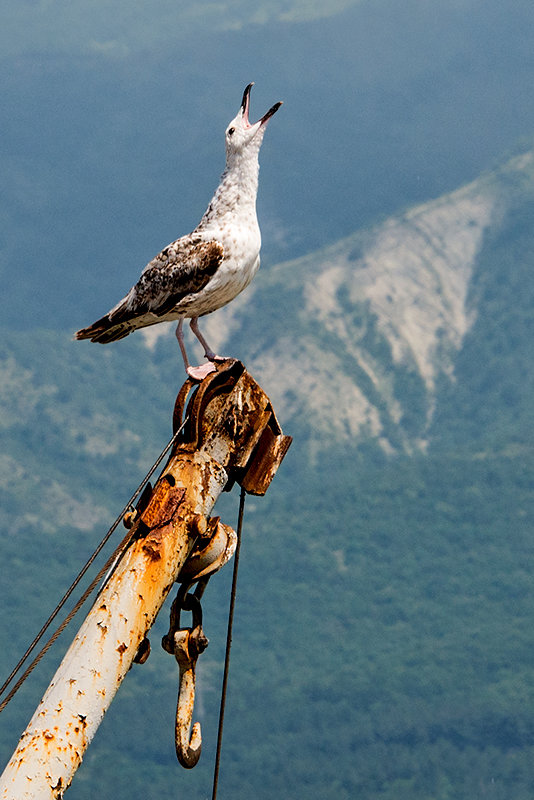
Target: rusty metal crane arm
232	435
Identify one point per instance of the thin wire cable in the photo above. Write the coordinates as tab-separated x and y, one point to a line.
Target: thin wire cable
109	564
228	644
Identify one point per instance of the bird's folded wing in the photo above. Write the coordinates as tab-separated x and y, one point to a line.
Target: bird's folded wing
183	268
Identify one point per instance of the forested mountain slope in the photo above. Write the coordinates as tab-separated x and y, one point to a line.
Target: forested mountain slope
385	588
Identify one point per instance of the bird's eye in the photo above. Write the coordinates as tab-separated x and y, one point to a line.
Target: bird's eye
231	131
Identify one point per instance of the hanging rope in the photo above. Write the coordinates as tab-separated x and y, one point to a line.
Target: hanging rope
228	644
110	564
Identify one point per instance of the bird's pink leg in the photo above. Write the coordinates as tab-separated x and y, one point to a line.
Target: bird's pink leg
197	373
180	337
208	352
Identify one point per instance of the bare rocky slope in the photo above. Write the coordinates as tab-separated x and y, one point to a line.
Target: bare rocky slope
352	343
416	329
357	337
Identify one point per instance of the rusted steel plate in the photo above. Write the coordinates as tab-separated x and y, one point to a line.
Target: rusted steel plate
164	503
265	461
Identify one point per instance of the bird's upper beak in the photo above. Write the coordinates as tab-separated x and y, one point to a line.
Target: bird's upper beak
245	103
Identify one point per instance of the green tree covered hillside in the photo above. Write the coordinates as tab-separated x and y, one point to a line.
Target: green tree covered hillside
383	642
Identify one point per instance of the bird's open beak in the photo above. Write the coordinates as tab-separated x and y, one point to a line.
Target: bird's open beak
245	103
270	112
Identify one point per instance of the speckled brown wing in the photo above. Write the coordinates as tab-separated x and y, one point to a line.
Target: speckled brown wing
183	268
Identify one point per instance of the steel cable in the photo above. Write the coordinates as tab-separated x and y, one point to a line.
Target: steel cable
228	644
109	565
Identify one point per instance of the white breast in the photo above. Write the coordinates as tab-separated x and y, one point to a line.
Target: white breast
241	245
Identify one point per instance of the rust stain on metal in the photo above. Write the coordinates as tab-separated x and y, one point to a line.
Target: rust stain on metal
265	461
122	648
234	426
260	421
232	419
152	550
165	500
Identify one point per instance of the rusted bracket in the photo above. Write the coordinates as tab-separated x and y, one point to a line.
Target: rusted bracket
220	404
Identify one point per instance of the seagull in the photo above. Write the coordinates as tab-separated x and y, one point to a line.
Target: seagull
206	269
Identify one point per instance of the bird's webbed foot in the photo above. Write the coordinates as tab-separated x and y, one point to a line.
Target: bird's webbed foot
201	372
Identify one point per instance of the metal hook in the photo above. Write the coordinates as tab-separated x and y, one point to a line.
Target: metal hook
186	644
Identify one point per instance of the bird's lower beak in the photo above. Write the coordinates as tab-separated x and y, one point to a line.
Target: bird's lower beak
270	112
245	104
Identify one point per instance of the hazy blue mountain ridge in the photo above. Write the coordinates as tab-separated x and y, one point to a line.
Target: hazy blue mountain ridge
110	153
408	334
379	320
395	544
383	638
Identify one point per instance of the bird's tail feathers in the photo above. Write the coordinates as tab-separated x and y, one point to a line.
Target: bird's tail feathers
109	328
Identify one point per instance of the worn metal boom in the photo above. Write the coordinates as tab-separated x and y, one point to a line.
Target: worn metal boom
231	435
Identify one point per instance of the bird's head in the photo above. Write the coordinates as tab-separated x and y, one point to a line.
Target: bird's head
241	135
